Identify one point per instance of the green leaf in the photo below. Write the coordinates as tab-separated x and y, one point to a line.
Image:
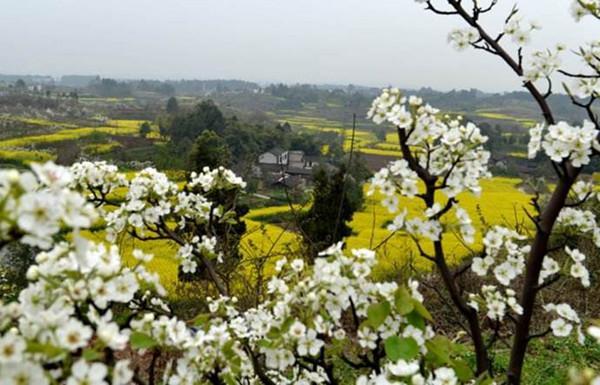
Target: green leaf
403	301
377	313
438	350
285	326
142	341
91	355
201	319
416	320
265	344
228	378
462	370
48	350
122	317
274	333
419	308
397	348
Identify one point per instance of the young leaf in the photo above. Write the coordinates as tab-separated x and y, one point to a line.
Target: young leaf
462	370
48	350
438	350
416	320
419	308
397	348
377	313
142	341
403	301
91	355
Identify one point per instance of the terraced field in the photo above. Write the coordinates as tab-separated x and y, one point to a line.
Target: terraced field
32	148
365	140
498	115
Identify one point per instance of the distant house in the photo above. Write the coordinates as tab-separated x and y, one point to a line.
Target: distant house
311	161
288	159
273	156
295	159
286	167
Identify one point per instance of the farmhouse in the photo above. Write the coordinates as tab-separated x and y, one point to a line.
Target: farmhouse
273	156
281	166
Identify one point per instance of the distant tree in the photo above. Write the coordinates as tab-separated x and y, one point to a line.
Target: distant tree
334	204
205	116
172	105
145	129
209	150
305	142
20	84
155	86
285	127
381	133
163	130
110	88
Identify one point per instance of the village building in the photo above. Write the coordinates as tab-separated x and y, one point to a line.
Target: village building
291	168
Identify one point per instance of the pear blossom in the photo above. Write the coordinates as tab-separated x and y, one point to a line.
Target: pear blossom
461	39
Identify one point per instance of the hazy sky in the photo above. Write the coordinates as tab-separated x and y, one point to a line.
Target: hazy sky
370	42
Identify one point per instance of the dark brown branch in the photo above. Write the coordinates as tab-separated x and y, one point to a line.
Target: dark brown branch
540	335
515	65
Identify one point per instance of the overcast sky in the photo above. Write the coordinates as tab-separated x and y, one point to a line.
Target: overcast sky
368	42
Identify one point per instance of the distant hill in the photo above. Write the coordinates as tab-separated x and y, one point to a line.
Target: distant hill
28	79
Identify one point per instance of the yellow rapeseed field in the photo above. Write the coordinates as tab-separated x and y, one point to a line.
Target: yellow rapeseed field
115	127
501	202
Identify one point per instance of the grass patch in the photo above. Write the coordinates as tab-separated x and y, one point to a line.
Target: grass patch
549	360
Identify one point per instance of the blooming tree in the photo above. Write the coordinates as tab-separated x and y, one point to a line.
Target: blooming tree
442	157
87	317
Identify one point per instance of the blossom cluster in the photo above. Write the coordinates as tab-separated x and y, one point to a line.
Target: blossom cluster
562	326
520	31
100	177
504	244
582	8
340	285
581	222
449	151
154	206
445	147
543	64
66	317
304	312
506	255
36	205
563	141
589	86
462	39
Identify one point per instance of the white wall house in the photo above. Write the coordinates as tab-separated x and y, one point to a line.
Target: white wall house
274	156
268	158
290	159
296	159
